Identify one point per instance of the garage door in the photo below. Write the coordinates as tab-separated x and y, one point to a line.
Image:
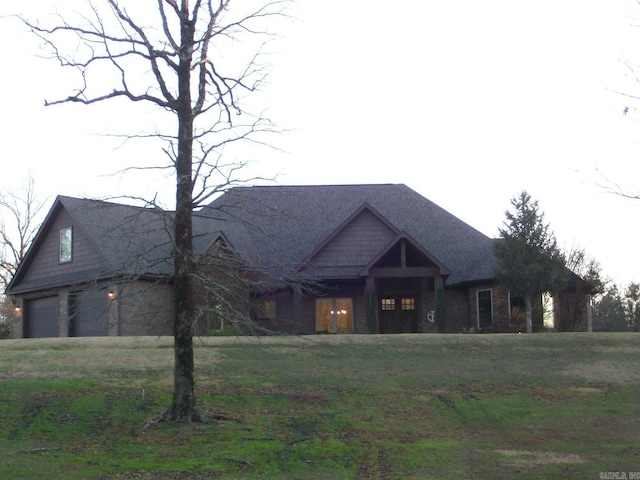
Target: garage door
89	313
41	318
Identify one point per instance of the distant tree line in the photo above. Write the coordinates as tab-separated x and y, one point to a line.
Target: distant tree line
617	309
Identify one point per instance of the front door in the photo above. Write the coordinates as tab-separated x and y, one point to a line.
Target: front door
399	314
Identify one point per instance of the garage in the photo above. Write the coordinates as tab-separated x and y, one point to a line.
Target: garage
41	317
89	313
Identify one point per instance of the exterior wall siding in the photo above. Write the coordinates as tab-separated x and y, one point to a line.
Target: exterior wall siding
357	243
46	263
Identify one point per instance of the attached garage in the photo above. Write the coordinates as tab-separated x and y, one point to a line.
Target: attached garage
41	317
89	313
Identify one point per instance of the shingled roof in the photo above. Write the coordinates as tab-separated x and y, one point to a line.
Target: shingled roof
282	225
276	227
126	240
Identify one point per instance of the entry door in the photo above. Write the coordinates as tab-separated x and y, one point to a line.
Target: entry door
399	314
334	315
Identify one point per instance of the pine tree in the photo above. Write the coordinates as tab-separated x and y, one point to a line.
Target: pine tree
529	260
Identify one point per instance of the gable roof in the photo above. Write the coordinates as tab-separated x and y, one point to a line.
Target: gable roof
280	228
127	241
284	225
365	207
444	271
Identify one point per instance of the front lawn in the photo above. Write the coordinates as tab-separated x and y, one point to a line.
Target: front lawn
325	407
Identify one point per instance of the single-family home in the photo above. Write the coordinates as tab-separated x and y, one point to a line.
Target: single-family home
329	258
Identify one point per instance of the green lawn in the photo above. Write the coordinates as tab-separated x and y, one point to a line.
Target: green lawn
325	407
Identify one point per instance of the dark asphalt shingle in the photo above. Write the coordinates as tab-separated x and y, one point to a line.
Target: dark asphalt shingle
276	227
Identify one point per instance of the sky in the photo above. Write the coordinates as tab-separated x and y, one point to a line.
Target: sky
466	102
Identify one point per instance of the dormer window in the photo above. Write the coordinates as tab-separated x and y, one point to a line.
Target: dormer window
66	244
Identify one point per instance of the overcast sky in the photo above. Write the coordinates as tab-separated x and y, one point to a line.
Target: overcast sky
466	102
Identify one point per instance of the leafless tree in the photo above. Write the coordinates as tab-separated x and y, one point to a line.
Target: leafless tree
615	188
20	212
20	216
189	59
586	280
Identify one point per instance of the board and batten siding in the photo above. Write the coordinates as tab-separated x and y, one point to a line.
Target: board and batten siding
46	263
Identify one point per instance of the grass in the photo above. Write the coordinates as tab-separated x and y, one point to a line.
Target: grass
325	407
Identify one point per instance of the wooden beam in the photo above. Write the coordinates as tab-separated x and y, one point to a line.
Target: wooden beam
404	272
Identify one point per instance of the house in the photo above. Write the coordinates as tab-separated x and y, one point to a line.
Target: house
336	259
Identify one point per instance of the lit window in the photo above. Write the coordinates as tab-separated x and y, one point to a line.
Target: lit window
267	309
408	303
334	315
388	304
66	244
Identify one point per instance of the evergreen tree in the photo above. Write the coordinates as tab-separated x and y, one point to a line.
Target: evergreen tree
529	260
632	306
609	312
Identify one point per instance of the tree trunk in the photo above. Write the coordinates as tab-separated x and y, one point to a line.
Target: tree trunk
183	407
527	301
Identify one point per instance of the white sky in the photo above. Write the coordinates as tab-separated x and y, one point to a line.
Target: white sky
466	102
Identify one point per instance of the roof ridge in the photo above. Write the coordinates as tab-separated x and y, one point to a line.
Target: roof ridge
110	203
346	185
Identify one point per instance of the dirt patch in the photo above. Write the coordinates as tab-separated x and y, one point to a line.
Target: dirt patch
604	372
524	458
588	390
309	398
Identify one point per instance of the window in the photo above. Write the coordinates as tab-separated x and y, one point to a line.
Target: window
334	315
267	309
408	303
388	304
485	309
66	244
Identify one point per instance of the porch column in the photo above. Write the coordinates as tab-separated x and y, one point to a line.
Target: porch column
371	300
440	311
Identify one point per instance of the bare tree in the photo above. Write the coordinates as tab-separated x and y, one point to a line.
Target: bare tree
20	212
614	188
191	61
574	301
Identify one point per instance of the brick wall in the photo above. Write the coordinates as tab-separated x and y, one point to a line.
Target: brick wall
144	308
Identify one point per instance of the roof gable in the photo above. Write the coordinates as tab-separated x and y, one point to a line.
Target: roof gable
288	225
109	240
354	242
416	256
41	265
